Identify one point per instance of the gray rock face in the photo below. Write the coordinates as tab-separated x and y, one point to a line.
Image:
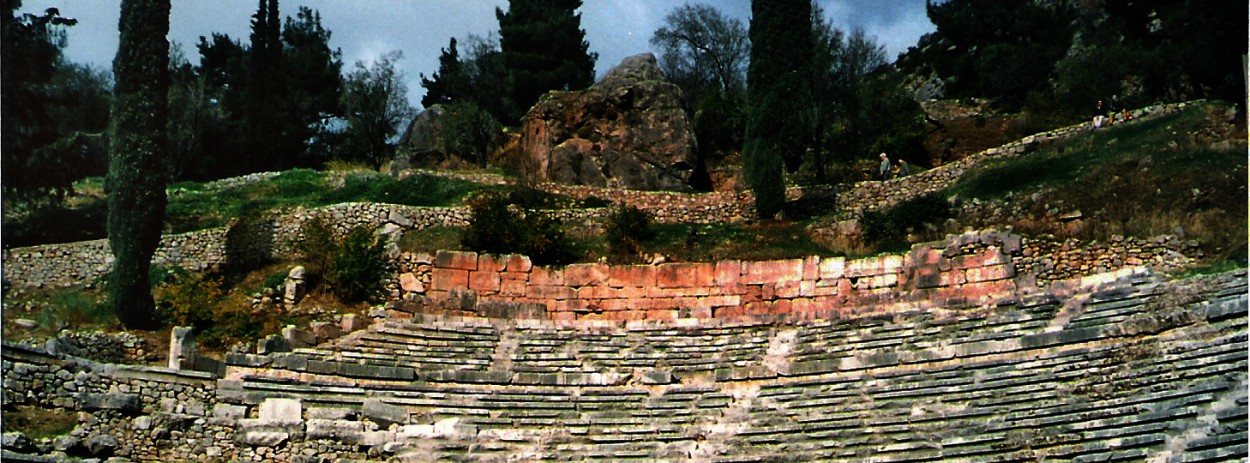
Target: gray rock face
384	414
627	131
102	445
422	142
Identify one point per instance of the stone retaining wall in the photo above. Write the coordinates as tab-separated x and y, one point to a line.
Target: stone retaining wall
137	412
965	271
876	195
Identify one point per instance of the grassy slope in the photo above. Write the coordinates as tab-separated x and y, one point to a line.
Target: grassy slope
1177	174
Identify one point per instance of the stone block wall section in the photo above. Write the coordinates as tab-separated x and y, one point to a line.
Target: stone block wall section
965	271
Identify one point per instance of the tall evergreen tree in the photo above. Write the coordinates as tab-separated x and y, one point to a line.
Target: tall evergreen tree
137	162
544	48
778	83
30	55
450	84
268	131
314	86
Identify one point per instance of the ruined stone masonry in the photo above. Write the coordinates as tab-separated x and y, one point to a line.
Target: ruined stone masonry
1118	367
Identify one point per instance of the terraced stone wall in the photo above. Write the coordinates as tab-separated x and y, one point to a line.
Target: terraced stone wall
876	195
965	271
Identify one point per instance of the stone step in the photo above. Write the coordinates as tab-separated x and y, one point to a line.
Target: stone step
1236	452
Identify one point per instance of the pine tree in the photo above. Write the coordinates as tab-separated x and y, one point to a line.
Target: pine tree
137	162
544	48
777	84
267	140
450	85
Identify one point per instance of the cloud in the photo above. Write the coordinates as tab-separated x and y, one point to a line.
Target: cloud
364	30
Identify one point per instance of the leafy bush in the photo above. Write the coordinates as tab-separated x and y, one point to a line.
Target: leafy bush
499	227
626	230
69	308
471	133
353	267
316	244
249	243
888	229
188	299
358	266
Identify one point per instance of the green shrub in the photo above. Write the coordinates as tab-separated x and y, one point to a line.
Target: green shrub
359	266
75	309
888	229
500	227
627	228
249	243
188	299
317	244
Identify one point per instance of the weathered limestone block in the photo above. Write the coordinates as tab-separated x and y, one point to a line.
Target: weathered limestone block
281	412
124	402
273	343
352	322
262	438
384	414
182	348
298	338
325	331
346	431
293	287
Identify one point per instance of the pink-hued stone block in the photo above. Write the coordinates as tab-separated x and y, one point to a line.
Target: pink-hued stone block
811	268
484	282
832	268
445	279
456	260
788	289
508	287
585	274
551	293
772	271
546	276
518	263
728	272
631	275
990	273
685	275
491	263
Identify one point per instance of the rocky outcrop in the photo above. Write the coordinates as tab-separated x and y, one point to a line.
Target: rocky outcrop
627	131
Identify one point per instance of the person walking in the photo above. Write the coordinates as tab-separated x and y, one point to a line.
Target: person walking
884	170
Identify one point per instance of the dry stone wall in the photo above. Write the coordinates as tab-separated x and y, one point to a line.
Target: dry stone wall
876	195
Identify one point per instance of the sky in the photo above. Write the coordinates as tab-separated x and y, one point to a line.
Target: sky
366	29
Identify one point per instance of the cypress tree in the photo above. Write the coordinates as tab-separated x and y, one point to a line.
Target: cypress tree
544	48
138	156
777	84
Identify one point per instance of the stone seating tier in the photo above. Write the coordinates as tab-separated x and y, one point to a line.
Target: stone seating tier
1137	369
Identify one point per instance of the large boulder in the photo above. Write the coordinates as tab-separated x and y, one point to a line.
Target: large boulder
442	137
629	130
422	143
